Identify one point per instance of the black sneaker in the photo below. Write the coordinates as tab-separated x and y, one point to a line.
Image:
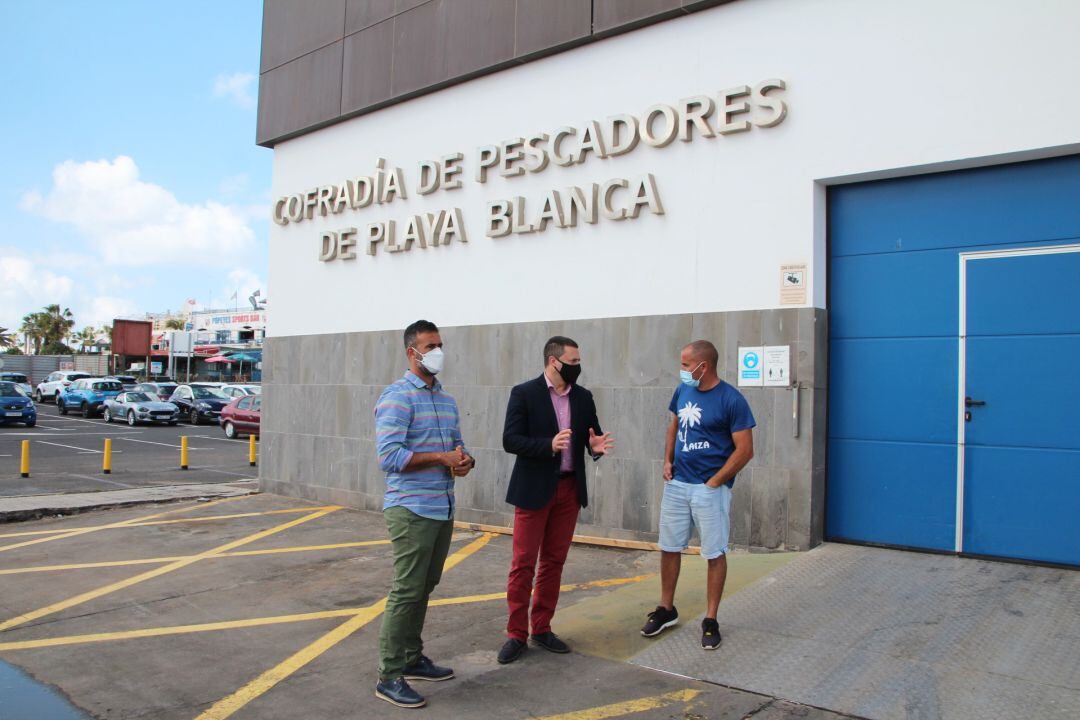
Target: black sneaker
659	620
710	634
397	692
424	669
511	651
550	641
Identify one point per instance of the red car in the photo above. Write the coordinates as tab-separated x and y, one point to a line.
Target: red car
242	415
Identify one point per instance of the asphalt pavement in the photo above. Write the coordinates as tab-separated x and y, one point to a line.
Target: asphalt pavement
66	455
268	607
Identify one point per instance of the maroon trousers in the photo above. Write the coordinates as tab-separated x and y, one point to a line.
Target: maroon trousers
541	541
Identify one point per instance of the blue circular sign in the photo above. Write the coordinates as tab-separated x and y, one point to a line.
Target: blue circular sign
750	360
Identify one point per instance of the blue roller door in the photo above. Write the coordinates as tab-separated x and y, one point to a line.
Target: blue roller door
895	301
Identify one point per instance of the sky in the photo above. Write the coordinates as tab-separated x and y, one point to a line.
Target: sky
130	181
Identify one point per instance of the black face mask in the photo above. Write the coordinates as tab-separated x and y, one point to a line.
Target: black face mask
569	372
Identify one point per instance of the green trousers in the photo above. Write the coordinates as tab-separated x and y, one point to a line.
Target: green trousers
420	547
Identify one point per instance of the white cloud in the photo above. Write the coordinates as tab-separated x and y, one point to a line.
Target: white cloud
243	282
102	310
234	184
131	222
27	287
237	88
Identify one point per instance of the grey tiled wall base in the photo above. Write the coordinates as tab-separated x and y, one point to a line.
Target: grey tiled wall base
320	392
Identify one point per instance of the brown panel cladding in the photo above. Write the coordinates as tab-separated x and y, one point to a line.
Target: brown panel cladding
360	14
419	48
544	24
303	93
610	14
397	49
401	6
367	67
292	29
479	34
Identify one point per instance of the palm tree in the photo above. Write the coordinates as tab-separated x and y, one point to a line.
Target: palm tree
33	330
48	327
85	338
57	322
174	323
7	340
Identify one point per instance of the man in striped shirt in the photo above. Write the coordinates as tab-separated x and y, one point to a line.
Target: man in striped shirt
419	445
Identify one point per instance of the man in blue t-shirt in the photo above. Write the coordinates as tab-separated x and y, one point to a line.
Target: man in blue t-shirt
710	439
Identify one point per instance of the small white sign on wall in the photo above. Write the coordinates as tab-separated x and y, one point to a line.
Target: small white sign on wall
777	365
793	284
750	362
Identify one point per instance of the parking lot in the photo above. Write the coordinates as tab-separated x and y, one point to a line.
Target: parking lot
66	455
268	607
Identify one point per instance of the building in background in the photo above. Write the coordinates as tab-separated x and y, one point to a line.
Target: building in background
239	328
870	208
216	336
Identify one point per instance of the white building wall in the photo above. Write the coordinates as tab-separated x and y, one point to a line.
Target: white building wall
874	88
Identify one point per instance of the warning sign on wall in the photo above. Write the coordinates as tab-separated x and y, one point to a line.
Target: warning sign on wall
750	366
793	284
777	365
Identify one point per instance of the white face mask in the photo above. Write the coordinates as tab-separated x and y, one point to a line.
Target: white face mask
432	361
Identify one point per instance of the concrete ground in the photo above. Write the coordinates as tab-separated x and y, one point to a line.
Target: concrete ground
66	455
894	635
268	607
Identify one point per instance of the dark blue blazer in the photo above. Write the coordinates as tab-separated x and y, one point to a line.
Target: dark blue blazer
530	425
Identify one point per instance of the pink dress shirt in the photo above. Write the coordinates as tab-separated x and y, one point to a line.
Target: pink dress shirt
561	402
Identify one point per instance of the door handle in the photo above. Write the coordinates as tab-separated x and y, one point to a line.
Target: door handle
968	402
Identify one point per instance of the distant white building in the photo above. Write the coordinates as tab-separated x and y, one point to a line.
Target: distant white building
228	327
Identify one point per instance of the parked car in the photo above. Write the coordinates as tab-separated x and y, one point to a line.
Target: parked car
21	382
48	390
88	395
199	402
15	405
242	415
161	390
236	390
136	407
127	381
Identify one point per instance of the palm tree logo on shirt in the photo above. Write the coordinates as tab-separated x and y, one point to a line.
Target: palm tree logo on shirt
689	416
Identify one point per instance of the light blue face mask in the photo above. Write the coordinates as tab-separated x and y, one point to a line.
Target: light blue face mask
687	376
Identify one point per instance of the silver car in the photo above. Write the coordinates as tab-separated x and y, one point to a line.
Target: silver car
136	407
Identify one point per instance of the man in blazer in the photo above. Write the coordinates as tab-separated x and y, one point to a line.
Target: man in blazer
550	423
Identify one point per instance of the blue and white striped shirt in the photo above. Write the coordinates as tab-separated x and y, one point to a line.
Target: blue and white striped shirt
412	418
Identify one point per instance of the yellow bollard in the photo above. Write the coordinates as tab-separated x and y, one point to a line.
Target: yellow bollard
24	467
251	451
106	459
183	452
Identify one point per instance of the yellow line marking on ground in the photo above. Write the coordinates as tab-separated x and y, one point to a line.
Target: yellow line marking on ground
158	560
628	707
612	582
123	523
156	572
272	620
228	705
207	518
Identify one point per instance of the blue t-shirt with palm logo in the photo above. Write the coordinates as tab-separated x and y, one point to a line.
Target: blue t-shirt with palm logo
706	421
